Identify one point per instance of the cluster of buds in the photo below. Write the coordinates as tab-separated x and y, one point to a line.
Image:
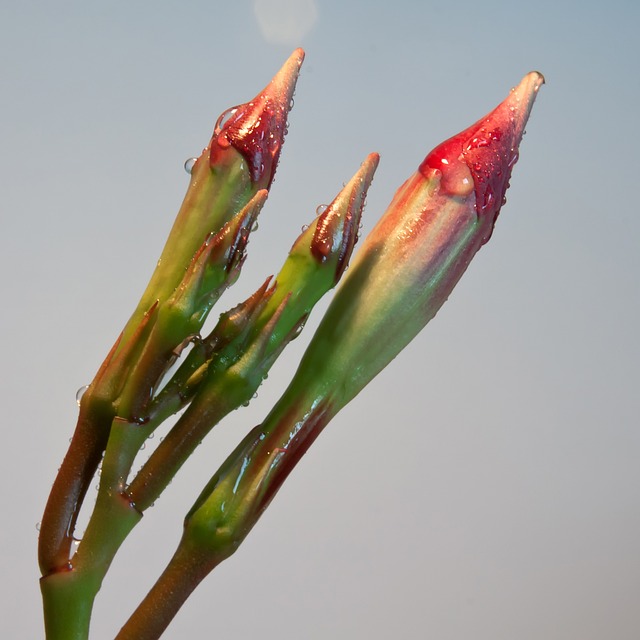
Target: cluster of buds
402	274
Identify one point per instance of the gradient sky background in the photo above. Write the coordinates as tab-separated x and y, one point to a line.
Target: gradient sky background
486	484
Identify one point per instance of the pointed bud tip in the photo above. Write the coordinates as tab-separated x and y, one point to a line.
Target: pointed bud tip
486	151
257	128
337	227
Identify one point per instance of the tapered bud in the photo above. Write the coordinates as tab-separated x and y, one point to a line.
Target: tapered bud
415	255
239	161
257	128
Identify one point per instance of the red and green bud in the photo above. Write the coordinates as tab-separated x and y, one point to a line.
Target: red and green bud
257	129
224	181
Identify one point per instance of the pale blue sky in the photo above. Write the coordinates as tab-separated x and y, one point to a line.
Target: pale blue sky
486	485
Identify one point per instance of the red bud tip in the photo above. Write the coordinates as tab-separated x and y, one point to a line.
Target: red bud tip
487	150
339	223
257	128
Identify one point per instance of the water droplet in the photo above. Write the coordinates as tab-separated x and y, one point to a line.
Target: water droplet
38	525
150	436
304	227
189	163
254	227
224	118
321	208
143	446
80	392
255	395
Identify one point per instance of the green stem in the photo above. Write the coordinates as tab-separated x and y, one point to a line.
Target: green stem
71	484
197	421
188	567
67	599
68	595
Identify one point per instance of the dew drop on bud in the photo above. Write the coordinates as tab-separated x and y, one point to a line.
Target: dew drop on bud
38	525
304	227
80	392
321	208
189	163
224	118
255	226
